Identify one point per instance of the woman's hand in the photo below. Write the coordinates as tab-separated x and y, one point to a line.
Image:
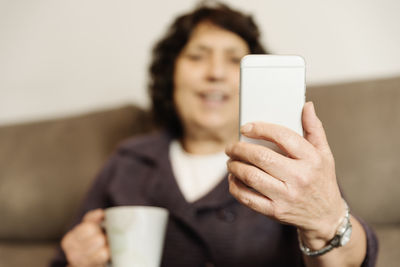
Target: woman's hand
298	189
86	244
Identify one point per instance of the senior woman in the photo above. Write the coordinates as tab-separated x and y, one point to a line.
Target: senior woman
296	204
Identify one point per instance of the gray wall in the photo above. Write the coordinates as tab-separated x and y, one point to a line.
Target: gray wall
63	57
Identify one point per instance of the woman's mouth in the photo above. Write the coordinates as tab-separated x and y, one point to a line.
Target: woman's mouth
213	97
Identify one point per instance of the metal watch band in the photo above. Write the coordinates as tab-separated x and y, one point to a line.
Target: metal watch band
335	242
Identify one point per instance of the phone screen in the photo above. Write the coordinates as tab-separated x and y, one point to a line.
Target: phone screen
272	89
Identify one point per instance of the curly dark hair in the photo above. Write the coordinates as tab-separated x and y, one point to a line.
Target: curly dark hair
169	47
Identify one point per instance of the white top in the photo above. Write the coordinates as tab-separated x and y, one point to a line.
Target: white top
196	175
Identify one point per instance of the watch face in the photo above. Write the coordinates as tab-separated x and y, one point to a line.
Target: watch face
346	236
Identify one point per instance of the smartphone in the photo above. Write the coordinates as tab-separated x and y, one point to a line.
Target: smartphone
272	89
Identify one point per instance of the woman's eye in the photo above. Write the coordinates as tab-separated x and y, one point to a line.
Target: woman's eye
235	60
195	57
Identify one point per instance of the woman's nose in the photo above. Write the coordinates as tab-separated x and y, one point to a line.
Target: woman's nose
216	69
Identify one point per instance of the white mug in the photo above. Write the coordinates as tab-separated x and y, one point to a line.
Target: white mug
136	235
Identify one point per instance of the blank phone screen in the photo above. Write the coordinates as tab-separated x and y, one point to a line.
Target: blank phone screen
273	94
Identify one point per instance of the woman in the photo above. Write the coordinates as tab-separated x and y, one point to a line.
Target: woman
194	88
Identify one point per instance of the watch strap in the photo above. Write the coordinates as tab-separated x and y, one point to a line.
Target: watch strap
334	242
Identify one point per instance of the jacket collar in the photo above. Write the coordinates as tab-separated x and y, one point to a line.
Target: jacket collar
164	189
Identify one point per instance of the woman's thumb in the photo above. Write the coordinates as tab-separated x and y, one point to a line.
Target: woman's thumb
94	216
313	129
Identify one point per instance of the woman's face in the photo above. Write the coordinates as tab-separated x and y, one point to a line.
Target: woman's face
206	79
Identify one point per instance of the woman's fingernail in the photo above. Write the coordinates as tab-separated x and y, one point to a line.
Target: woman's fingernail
246	128
312	105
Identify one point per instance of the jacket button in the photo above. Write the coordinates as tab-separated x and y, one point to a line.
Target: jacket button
226	215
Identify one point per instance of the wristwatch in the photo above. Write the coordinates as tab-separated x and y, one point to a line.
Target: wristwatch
341	238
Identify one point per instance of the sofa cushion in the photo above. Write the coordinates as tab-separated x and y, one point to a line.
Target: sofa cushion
389	239
16	254
362	121
46	167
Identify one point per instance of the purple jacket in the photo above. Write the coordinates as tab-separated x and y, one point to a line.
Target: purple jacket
215	230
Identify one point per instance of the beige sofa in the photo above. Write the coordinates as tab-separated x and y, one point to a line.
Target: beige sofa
46	167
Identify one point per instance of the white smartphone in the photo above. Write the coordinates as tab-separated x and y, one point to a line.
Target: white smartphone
272	89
